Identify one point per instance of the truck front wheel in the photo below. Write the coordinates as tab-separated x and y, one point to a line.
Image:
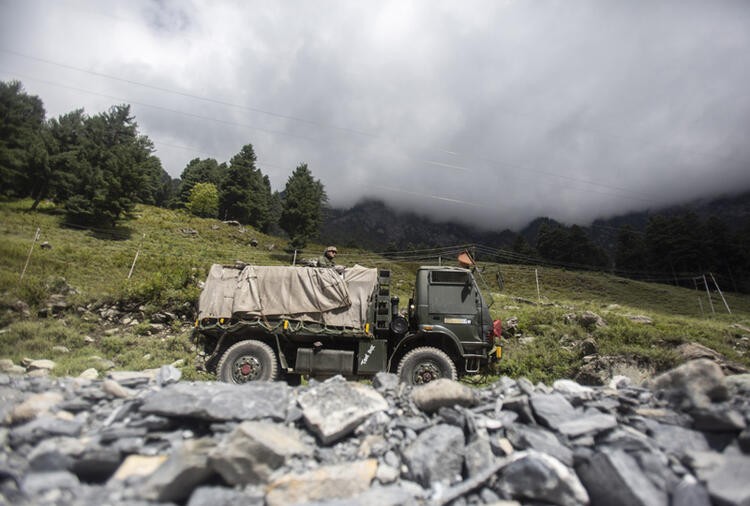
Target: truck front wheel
425	364
248	361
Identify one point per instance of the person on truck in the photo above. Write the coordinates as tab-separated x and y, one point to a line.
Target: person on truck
327	259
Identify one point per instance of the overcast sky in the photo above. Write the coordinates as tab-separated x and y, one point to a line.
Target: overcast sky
489	112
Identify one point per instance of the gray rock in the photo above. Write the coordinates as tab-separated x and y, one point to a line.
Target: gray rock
572	389
38	483
35	405
387	474
641	319
442	392
678	440
385	381
185	469
394	495
738	384
324	483
587	424
743	441
254	450
55	454
526	386
535	476
97	463
551	410
437	455
690	493
113	388
726	480
520	405
333	409
614	478
524	437
43	364
695	384
629	440
718	419
131	379
167	375
478	455
89	374
222	496
220	401
43	427
590	319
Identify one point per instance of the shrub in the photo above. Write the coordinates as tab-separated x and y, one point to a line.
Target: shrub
204	200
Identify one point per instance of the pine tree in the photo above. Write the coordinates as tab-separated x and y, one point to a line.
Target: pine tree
631	256
302	214
244	192
112	171
522	248
23	152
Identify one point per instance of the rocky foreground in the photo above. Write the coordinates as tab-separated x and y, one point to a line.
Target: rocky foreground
150	439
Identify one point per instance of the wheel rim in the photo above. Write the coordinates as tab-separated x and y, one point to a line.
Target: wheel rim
246	368
426	372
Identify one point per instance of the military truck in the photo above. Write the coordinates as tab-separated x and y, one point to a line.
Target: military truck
283	322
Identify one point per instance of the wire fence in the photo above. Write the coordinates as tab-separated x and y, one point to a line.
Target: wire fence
499	270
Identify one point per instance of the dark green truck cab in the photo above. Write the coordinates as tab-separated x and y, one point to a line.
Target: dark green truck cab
325	323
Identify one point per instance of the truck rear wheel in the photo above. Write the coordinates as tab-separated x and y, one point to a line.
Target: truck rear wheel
425	364
248	361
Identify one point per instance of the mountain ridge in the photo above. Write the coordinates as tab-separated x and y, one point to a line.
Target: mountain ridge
372	224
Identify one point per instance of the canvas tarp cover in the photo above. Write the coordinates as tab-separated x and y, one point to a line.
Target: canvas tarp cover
308	294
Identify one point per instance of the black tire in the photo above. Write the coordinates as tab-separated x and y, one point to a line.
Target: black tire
293	380
425	364
248	361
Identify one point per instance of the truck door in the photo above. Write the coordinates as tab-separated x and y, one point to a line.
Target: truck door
455	303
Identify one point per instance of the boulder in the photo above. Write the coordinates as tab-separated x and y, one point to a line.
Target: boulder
442	392
35	405
695	384
534	476
176	478
334	408
587	423
43	364
254	450
324	483
113	388
727	481
138	465
167	375
552	409
437	455
220	401
613	477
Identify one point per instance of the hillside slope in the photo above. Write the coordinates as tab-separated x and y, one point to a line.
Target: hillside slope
76	296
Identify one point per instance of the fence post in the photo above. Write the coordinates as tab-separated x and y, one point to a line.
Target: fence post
36	238
721	294
538	293
137	252
294	260
710	302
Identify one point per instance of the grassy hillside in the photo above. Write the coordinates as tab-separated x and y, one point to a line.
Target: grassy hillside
175	251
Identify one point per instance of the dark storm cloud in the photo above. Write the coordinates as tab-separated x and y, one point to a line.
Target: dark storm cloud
489	112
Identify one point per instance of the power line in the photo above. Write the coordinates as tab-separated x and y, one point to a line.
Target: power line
166	109
190	95
320	124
